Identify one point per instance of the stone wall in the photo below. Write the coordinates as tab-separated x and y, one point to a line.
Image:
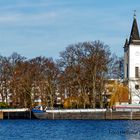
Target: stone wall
18	115
96	115
75	115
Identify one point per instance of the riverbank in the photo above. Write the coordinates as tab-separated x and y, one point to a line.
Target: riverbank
71	115
23	113
87	115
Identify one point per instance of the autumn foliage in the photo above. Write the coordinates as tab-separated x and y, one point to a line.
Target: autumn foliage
77	102
120	94
79	76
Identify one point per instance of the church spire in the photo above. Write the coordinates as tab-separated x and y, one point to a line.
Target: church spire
134	13
134	36
126	43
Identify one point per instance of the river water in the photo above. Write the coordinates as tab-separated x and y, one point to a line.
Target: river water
69	130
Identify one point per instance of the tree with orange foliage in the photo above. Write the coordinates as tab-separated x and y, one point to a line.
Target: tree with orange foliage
120	94
77	102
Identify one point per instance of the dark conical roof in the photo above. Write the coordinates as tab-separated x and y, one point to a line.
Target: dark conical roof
134	35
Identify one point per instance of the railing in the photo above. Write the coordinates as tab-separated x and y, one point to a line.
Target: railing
132	108
74	110
14	110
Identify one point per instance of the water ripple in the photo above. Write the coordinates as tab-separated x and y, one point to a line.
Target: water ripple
69	130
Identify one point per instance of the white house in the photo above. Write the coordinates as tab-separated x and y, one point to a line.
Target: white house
132	63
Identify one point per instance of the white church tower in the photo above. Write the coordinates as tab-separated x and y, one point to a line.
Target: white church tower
132	63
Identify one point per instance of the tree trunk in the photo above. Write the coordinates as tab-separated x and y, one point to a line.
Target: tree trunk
94	88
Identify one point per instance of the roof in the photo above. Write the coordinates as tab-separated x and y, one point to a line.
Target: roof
134	35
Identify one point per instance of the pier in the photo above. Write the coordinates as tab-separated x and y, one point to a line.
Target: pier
22	113
75	114
95	116
88	114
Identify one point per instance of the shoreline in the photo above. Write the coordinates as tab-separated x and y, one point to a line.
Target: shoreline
87	114
70	114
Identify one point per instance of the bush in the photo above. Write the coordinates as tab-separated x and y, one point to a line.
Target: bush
3	105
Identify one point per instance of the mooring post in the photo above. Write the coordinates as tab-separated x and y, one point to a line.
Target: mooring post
53	115
30	114
131	115
1	115
8	115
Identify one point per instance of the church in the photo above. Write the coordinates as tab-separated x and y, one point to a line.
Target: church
132	63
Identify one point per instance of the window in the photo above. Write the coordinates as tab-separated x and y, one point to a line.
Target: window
136	86
137	72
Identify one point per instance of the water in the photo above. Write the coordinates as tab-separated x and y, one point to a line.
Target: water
69	130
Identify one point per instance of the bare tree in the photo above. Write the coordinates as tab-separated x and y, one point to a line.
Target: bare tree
84	67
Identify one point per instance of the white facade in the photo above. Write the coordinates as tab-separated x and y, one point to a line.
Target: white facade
132	64
134	81
134	59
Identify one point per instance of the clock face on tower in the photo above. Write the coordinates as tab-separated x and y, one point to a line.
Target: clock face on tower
137	53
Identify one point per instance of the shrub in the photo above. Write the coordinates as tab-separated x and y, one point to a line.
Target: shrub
3	105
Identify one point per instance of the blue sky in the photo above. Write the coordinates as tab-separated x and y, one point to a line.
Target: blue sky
46	27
